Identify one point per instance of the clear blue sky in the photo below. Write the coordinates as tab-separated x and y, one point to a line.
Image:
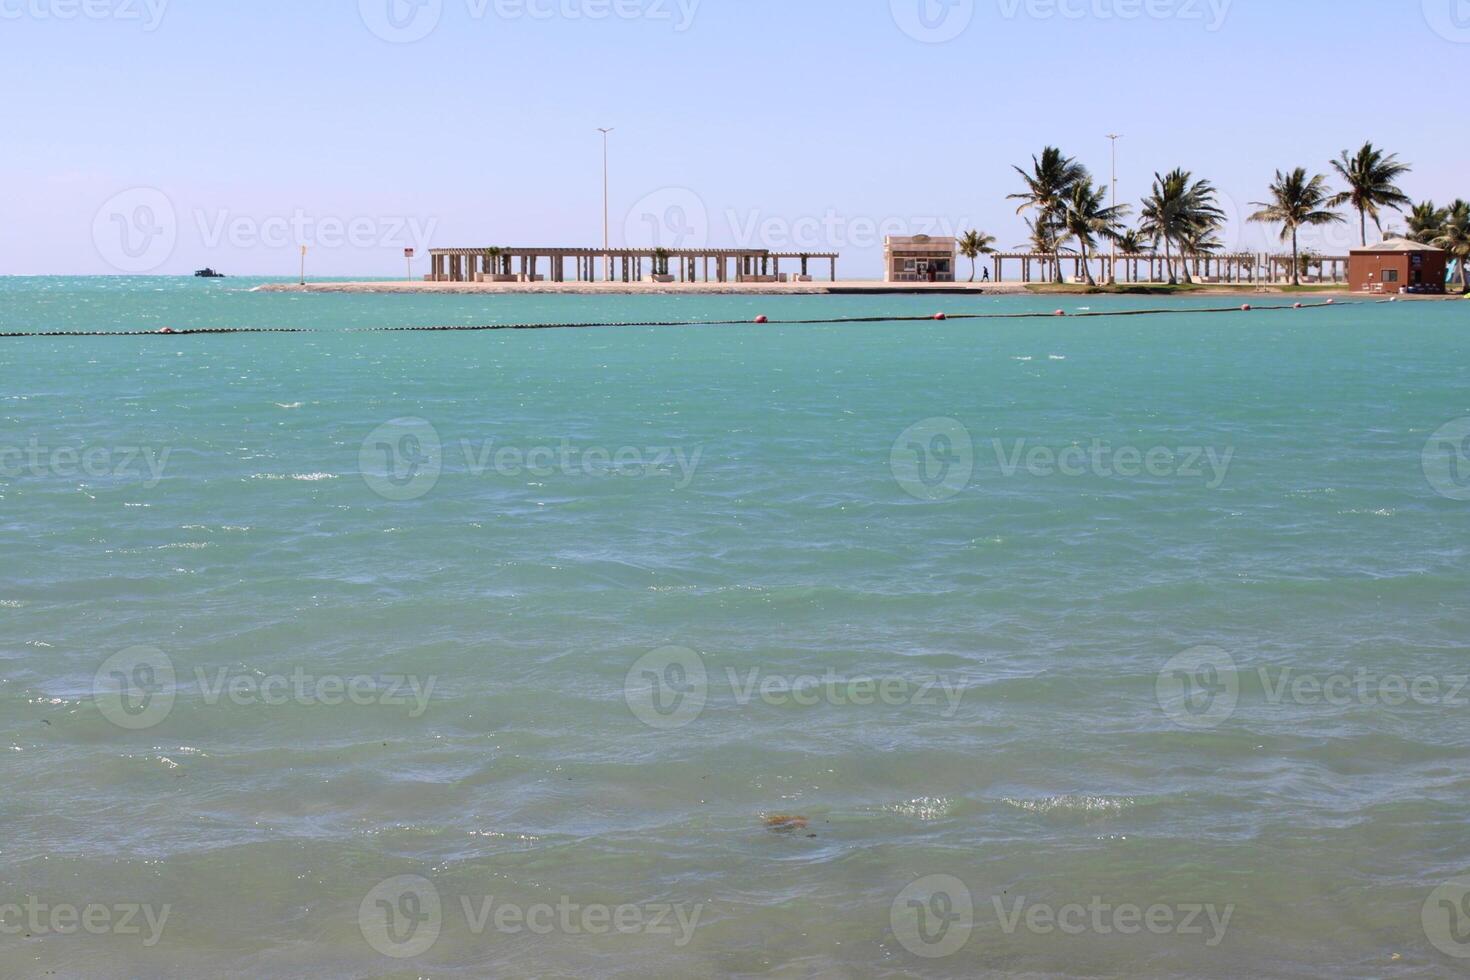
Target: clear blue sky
233	130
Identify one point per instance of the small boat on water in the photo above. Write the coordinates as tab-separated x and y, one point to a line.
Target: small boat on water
208	274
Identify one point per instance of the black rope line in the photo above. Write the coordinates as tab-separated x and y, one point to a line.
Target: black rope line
201	331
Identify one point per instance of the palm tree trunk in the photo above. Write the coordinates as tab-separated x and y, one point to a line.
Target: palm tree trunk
1363	223
1169	262
1087	265
972	268
1296	267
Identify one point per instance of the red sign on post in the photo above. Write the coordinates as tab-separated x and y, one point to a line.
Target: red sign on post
408	253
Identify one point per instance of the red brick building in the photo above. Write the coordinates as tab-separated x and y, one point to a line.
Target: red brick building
1395	265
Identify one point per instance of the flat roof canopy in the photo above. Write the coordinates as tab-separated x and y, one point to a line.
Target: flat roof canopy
1396	245
597	253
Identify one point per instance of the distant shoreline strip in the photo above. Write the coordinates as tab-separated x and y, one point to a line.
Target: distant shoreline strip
201	331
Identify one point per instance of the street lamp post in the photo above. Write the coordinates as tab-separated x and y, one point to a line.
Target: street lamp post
606	239
1113	262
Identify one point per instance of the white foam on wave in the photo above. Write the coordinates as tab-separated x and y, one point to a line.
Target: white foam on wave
303	477
924	808
1074	804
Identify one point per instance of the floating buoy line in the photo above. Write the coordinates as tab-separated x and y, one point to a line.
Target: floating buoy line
760	320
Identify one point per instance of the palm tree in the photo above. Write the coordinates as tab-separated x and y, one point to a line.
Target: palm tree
1454	238
1425	222
1045	239
1370	177
1198	240
974	245
1296	201
1180	208
1086	217
1306	260
1131	242
1042	238
1048	185
492	259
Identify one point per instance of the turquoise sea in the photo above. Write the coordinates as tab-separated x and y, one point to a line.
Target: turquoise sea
1050	647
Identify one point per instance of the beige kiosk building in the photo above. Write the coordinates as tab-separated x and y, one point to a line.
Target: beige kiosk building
919	258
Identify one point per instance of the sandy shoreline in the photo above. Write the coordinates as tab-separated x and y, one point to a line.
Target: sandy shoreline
842	288
648	289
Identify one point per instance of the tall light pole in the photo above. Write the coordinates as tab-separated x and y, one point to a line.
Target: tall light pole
606	240
1113	262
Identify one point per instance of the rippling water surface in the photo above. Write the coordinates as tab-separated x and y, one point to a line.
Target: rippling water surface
835	650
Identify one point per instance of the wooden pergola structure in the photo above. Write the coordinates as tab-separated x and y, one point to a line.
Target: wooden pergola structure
618	264
1232	268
